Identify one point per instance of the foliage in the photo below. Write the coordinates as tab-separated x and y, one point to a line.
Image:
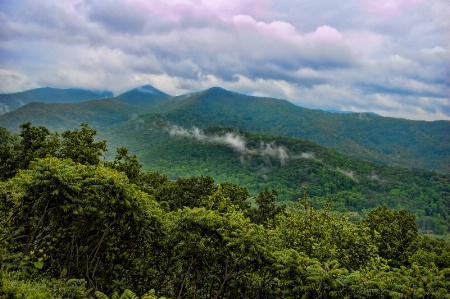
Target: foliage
12	286
79	145
86	229
127	164
267	210
84	218
394	231
325	236
38	142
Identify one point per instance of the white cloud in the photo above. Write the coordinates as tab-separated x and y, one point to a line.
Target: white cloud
239	144
386	58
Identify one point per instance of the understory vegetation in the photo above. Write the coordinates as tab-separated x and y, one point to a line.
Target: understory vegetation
75	226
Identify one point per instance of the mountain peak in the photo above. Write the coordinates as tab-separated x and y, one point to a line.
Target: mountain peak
143	95
216	91
149	89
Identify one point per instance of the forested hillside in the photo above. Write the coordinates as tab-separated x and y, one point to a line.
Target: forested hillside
363	136
103	114
75	226
258	161
12	101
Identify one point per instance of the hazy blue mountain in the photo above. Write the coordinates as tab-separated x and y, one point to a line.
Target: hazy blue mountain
12	101
101	114
143	95
364	136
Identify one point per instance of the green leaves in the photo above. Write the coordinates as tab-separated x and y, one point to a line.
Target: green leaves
38	142
325	235
103	223
79	145
85	216
393	232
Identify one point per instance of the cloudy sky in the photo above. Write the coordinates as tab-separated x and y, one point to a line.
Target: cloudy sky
391	57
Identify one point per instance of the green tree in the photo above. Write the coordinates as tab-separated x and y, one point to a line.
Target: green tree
127	164
393	232
85	221
211	254
185	192
267	209
33	143
327	236
8	161
80	146
429	252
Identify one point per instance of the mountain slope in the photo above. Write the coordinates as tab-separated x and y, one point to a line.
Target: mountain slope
12	101
384	140
259	161
100	114
364	136
145	95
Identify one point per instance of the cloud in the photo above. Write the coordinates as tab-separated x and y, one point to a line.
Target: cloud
389	8
238	143
349	173
117	16
175	10
235	141
356	54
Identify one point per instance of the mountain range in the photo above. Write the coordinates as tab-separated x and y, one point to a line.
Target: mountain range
361	160
363	136
12	101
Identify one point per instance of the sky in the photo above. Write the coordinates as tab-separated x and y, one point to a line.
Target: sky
390	57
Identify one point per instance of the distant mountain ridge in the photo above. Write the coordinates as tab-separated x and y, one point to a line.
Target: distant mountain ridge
12	101
363	136
99	113
143	95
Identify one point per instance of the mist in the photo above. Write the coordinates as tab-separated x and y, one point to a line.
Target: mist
239	144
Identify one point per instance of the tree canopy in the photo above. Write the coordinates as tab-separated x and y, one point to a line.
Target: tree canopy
73	226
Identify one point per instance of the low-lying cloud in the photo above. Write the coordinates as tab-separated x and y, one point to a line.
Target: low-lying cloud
265	150
349	173
239	144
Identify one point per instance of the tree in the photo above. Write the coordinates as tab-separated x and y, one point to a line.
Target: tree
79	145
211	254
84	221
127	164
327	236
33	143
8	161
228	195
267	210
185	192
39	142
393	232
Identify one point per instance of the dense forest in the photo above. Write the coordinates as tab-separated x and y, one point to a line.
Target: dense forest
258	161
74	225
362	136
